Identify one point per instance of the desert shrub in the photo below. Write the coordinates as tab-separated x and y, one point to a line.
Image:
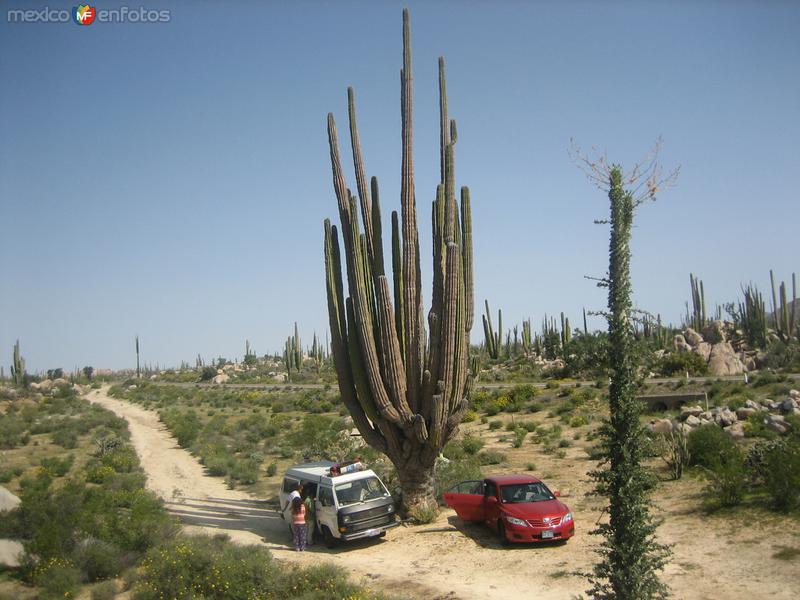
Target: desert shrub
272	468
424	513
57	467
454	450
56	578
755	427
205	567
491	457
530	467
728	477
323	437
707	443
185	426
471	444
679	363
519	437
66	437
99	474
495	425
449	474
674	450
245	470
552	385
781	473
107	590
535	407
122	459
13	432
98	559
208	373
470	416
530	426
577	421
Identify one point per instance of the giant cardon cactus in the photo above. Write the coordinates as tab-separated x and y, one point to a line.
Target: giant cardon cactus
406	391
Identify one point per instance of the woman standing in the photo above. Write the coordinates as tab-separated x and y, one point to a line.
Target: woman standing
299	524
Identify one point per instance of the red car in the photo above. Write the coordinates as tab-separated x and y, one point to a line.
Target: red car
520	508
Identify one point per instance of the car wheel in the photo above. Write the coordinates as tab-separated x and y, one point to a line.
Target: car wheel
501	531
330	541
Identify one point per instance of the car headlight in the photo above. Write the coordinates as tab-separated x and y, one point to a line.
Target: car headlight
567	518
346	519
390	508
515	521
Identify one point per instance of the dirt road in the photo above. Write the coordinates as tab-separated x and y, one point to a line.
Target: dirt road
713	559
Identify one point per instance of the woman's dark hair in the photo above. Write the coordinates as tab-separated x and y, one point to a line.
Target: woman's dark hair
296	504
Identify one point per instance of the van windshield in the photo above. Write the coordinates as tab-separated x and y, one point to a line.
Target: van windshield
360	490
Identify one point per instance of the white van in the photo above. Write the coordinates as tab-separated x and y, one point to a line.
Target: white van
348	507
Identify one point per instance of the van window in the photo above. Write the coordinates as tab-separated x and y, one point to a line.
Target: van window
491	489
290	484
325	496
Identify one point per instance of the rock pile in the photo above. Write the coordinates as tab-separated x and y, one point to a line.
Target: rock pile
715	349
732	421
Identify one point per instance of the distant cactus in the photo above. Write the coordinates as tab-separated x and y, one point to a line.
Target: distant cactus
527	341
752	317
18	366
406	391
138	368
298	349
782	313
697	320
494	339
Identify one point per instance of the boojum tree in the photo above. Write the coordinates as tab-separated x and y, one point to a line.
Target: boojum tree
630	555
406	389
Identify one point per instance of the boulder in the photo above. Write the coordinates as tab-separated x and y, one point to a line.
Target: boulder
714	332
750	363
690	411
753	404
221	378
8	392
60	381
703	349
794	394
736	430
727	417
661	426
692	337
787	405
692	421
744	412
10	552
45	385
681	347
723	361
8	501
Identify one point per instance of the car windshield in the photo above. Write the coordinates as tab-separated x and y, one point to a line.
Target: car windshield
360	490
525	492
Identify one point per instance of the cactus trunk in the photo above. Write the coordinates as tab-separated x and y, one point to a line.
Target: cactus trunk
405	398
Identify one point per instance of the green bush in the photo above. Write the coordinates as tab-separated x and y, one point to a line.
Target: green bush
728	477
107	590
56	578
272	468
491	457
495	425
706	445
98	559
519	437
471	444
679	363
782	475
205	567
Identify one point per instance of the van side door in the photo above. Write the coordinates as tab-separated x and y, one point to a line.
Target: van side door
326	510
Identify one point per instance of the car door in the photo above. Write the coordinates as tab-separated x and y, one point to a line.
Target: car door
466	498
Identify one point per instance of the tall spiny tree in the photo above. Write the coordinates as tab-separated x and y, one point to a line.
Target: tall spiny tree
407	399
630	555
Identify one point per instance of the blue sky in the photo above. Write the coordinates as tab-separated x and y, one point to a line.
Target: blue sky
170	180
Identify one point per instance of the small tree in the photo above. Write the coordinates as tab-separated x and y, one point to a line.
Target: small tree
630	555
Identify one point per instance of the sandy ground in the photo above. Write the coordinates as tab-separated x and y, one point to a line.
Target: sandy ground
714	557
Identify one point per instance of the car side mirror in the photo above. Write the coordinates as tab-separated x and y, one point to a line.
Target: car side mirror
557	494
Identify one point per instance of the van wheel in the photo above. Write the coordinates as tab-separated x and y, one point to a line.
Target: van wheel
330	541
